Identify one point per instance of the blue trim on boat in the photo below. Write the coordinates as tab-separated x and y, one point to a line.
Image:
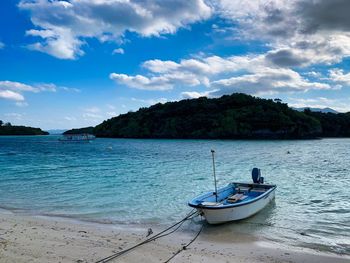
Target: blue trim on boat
264	195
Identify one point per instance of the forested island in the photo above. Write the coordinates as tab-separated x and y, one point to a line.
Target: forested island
332	124
9	129
86	130
236	116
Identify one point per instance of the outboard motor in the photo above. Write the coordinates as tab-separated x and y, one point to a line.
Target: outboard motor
256	176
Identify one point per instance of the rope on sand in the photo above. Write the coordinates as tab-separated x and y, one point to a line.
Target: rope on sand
185	246
163	233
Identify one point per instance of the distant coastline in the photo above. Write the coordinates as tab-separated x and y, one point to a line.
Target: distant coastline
9	129
236	116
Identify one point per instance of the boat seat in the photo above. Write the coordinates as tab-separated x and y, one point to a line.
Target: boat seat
259	190
243	188
236	197
211	203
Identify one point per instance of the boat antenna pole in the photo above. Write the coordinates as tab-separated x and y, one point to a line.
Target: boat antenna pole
216	191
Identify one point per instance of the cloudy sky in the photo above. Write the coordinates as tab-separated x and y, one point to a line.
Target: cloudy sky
75	63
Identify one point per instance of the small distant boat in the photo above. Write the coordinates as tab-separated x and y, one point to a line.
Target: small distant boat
235	201
84	137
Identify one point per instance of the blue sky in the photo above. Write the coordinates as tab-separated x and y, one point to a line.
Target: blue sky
75	63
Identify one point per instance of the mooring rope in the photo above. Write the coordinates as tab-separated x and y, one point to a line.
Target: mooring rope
185	246
163	233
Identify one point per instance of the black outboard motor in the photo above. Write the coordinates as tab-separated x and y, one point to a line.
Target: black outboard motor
256	176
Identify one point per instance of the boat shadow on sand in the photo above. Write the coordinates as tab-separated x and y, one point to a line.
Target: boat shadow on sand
247	229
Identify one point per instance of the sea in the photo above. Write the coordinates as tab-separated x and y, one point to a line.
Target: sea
149	182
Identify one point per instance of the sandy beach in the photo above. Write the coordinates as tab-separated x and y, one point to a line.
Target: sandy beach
25	238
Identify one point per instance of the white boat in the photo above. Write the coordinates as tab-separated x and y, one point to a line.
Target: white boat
84	137
235	201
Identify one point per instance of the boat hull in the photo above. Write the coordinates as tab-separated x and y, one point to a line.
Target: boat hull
223	215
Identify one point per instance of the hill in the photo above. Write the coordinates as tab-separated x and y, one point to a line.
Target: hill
236	116
88	130
323	110
332	124
8	129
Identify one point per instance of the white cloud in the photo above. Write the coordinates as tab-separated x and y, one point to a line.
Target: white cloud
164	82
13	90
267	81
160	66
17	86
202	65
58	42
63	26
196	95
340	105
22	87
313	74
2	45
47	87
294	42
118	51
93	109
21	104
189	72
249	74
112	113
338	75
151	101
70	89
11	95
300	32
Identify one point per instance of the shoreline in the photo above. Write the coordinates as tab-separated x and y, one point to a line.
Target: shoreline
194	138
29	238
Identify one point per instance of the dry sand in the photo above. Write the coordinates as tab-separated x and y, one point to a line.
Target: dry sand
26	239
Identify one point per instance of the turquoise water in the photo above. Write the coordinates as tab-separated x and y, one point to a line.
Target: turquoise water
150	182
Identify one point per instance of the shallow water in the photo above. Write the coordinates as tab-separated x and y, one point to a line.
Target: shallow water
150	181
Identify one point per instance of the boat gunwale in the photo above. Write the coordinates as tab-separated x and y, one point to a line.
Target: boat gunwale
265	194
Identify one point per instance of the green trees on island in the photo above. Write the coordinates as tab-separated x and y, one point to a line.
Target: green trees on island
332	124
88	130
236	116
8	129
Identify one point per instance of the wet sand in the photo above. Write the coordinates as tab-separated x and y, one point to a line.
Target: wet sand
25	238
